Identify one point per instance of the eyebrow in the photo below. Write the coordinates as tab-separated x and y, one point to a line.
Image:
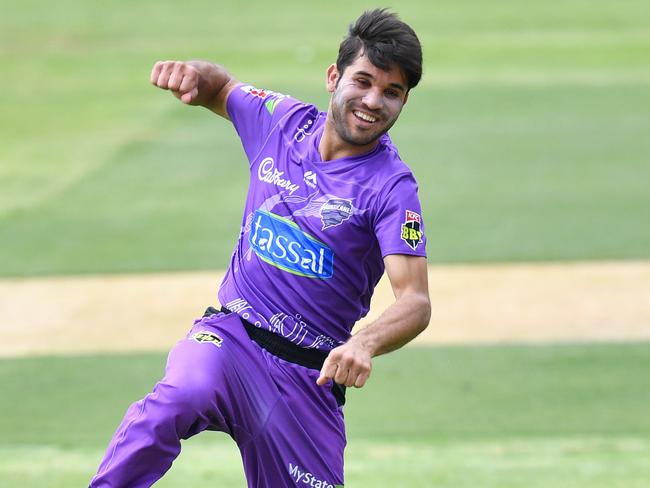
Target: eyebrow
393	85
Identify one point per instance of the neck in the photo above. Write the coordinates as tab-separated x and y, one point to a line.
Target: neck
332	147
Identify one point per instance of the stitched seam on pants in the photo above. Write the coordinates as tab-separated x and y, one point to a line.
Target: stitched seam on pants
108	465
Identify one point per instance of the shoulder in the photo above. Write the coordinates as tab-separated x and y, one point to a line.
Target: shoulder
391	168
246	99
393	179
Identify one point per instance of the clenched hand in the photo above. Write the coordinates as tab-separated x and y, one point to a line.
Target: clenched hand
180	78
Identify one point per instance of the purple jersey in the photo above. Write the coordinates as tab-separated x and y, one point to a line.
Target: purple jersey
314	233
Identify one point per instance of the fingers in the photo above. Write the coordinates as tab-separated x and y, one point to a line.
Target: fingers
178	77
327	372
361	379
155	72
175	77
189	96
161	72
347	366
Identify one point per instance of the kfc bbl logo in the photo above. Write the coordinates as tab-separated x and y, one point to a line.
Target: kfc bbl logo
335	211
411	233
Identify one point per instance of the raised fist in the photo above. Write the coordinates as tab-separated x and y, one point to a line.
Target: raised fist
179	77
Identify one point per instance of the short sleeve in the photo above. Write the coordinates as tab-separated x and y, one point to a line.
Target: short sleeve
255	112
398	223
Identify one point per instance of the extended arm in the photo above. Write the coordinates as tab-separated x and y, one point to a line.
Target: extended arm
351	363
195	83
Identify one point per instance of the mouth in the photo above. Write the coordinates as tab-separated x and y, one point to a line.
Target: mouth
364	117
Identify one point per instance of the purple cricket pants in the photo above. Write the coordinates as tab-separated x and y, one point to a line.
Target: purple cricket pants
289	430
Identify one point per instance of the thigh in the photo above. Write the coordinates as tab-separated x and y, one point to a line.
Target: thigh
221	372
289	430
303	440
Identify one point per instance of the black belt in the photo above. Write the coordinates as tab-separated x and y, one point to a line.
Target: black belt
284	349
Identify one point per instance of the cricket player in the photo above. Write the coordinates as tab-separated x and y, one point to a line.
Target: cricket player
330	206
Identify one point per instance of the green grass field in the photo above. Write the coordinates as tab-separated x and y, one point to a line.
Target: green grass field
528	136
494	417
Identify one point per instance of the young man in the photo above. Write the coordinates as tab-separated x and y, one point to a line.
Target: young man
329	207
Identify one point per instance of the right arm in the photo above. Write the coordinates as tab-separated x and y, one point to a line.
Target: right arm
195	83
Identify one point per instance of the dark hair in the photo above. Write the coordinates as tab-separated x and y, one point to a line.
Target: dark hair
386	40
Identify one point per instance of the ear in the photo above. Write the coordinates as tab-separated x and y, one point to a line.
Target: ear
332	78
406	98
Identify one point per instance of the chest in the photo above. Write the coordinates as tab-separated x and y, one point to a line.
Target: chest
324	202
304	216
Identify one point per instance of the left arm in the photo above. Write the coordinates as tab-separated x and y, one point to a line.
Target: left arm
350	364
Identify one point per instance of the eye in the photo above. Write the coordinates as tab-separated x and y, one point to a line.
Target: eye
363	82
391	93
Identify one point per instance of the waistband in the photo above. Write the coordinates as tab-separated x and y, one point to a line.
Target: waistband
284	349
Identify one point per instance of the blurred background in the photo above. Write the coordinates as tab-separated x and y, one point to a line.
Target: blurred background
529	138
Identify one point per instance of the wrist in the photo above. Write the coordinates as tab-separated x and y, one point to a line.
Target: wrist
364	341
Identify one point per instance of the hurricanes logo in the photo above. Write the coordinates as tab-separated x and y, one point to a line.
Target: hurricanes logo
411	233
207	336
335	211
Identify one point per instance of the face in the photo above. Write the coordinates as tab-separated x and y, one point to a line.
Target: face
366	101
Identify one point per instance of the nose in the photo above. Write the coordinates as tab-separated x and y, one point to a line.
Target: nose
372	100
